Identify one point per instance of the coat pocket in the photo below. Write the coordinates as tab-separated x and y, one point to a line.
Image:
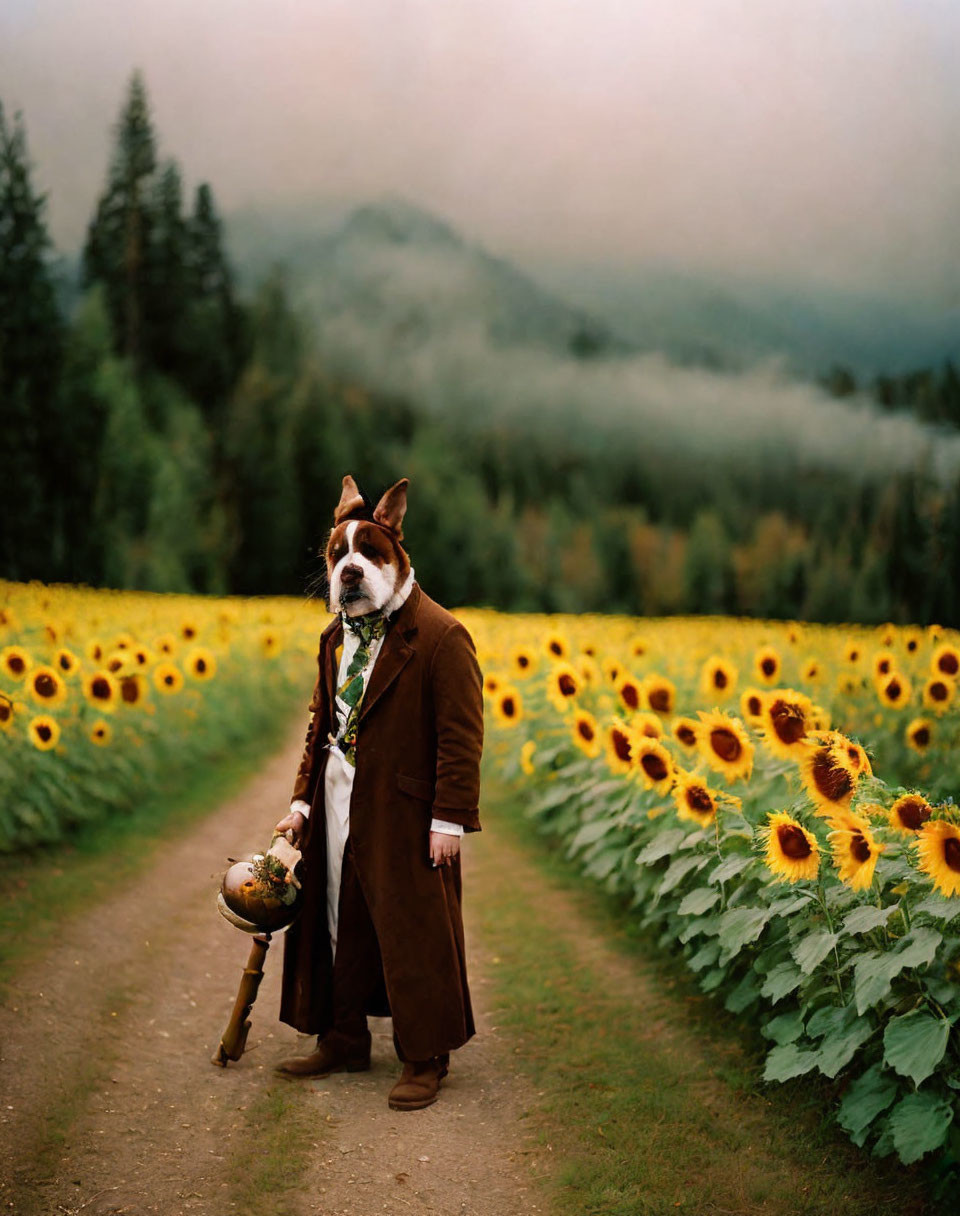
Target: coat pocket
417	787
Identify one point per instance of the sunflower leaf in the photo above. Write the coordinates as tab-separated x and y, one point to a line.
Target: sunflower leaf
936	905
730	867
741	926
788	1061
785	1028
867	1097
678	870
698	901
743	996
781	980
919	1123
839	1049
872	979
811	950
862	920
914	1043
662	846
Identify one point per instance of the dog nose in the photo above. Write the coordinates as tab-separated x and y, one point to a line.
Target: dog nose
351	575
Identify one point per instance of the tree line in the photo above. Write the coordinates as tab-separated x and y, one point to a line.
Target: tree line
165	431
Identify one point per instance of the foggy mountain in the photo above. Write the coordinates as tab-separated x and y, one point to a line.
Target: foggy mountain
404	305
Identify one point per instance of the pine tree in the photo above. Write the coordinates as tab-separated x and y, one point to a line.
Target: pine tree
31	333
119	236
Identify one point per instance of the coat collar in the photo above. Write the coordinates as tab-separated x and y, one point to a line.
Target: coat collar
394	653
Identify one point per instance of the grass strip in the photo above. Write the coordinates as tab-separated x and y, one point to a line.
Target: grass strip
651	1093
46	887
268	1164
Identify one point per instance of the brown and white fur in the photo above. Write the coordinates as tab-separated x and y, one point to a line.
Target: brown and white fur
367	566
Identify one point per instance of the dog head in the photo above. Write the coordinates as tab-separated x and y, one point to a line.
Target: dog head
367	567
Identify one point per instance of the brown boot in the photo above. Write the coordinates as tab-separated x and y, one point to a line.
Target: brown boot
335	1053
419	1083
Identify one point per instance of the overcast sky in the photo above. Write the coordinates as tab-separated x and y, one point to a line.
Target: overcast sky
803	140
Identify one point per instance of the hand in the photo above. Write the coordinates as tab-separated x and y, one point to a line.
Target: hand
444	848
294	823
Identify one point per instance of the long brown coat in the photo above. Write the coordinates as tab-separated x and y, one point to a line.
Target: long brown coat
418	756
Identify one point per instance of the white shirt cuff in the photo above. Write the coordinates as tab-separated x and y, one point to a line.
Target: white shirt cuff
441	825
303	807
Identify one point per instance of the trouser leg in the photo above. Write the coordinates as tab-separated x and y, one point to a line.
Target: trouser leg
357	966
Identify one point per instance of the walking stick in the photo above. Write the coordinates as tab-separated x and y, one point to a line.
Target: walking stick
259	896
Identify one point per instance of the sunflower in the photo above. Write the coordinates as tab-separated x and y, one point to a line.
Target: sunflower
894	690
167	678
919	734
853	653
15	661
725	744
508	706
556	646
766	665
491	682
828	774
44	732
630	693
938	693
132	689
887	634
811	671
523	662
694	798
884	662
7	712
684	730
912	640
751	706
660	694
655	764
65	661
189	630
46	686
856	756
909	813
586	733
638	646
648	725
855	850
270	645
94	651
201	663
612	670
784	721
526	757
938	855
588	669
945	661
790	851
563	685
718	677
167	644
620	746
100	689
847	684
101	733
795	633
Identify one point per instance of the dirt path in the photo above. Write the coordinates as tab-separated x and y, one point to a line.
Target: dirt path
109	1102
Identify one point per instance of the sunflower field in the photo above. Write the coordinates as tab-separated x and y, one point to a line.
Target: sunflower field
105	694
776	802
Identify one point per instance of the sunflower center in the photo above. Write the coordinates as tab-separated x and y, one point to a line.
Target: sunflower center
859	847
788	721
556	648
585	730
949	663
894	688
660	700
129	690
16	664
523	661
768	666
913	814
793	842
753	704
921	736
567	685
630	695
725	743
686	735
6	711
621	746
654	767
200	665
44	732
100	688
719	678
508	707
699	800
951	853
831	780
938	691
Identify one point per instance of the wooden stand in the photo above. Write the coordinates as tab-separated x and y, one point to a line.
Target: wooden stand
234	1038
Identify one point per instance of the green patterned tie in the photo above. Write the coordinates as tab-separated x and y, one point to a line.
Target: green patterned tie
372	625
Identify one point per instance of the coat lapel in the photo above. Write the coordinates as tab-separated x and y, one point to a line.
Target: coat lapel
395	653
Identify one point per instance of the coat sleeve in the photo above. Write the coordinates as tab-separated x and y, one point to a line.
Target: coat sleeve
301	787
458	708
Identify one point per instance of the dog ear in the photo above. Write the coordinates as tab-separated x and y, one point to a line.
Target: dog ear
350	499
391	508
